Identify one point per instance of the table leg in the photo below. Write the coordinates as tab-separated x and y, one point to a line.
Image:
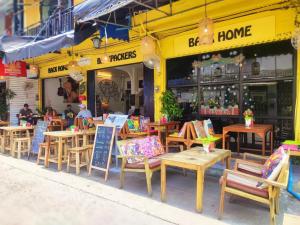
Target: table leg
163	178
200	189
11	137
271	142
3	141
263	145
228	162
238	142
47	151
223	143
60	150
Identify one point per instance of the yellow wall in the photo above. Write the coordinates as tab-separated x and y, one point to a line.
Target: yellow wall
297	105
76	2
269	26
31	12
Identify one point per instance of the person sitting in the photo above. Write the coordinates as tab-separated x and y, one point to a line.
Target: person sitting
69	115
84	113
50	114
26	114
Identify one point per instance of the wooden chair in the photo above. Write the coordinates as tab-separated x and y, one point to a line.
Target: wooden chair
244	184
56	124
182	137
21	145
194	138
127	133
81	157
144	165
43	147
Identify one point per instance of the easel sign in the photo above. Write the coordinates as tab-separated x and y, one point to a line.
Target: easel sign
102	149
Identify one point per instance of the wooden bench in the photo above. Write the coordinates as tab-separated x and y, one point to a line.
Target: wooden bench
140	155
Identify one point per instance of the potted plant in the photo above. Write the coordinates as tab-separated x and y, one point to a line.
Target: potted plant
5	97
248	116
170	106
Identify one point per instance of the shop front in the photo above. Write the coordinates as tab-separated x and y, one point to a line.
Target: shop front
250	65
119	84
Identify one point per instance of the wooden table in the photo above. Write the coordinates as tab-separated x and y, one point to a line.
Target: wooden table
161	126
3	123
8	132
193	159
259	129
290	219
61	136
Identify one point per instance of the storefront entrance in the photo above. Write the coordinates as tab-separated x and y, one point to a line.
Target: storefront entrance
123	89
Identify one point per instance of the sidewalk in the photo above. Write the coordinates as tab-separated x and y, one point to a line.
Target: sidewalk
33	195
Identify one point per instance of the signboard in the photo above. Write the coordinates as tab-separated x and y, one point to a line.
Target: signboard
39	137
103	143
17	69
251	31
117	120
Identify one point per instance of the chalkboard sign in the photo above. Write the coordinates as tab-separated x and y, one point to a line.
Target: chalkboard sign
39	137
102	149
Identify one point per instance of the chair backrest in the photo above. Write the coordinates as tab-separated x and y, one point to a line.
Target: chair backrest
284	172
148	147
197	130
78	123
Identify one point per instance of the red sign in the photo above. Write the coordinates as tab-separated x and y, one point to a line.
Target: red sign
17	69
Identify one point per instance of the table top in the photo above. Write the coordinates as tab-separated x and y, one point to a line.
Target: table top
68	133
4	123
197	156
290	219
162	124
16	128
255	128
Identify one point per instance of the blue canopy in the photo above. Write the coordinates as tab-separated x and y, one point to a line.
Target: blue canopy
92	9
19	48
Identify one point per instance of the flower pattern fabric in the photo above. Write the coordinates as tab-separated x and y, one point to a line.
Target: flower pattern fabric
272	162
146	147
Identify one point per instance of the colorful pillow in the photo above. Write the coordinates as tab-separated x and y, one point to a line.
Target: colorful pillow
273	165
136	122
143	121
148	147
208	127
130	124
198	125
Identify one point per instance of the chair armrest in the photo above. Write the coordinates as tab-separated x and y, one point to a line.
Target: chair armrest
246	155
258	179
246	162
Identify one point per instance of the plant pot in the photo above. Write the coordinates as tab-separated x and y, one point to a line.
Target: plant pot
249	123
207	147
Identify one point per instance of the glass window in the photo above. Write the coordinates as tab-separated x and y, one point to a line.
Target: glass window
269	99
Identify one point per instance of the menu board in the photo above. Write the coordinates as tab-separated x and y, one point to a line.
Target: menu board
102	149
39	137
117	120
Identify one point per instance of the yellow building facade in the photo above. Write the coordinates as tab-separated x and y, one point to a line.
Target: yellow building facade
266	21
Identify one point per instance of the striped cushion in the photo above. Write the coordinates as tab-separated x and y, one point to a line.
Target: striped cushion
246	185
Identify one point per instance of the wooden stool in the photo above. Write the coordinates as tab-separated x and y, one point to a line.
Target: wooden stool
90	149
21	145
79	152
43	149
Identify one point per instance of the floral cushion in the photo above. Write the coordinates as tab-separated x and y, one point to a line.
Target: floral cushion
208	127
273	166
272	162
147	147
198	125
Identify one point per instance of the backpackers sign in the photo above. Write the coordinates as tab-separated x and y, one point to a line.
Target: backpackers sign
243	33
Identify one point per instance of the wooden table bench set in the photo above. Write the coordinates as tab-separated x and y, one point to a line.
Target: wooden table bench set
147	153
